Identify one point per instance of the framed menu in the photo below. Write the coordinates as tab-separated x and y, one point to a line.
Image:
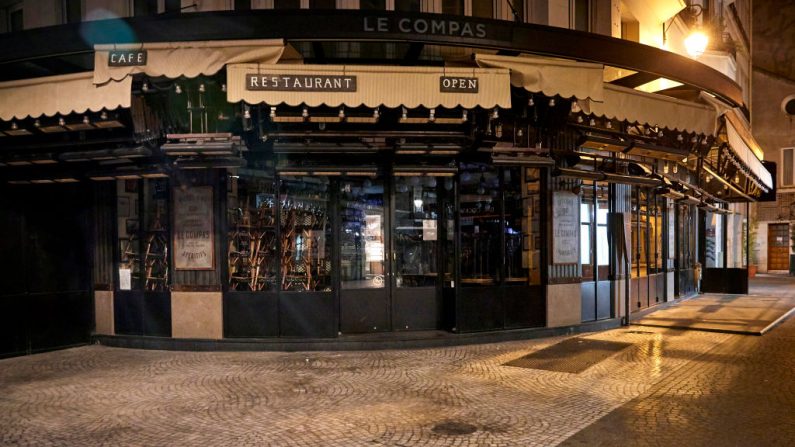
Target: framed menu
565	220
194	237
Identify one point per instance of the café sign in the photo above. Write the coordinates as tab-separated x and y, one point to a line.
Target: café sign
301	83
128	58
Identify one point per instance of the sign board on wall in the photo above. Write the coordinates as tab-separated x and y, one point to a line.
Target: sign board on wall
565	220
127	58
194	238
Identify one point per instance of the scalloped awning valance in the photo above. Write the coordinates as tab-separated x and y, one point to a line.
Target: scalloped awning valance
189	59
550	76
64	94
370	86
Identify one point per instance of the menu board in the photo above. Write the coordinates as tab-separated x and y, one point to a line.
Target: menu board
194	239
565	220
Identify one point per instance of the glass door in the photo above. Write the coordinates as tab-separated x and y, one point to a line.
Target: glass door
364	301
417	213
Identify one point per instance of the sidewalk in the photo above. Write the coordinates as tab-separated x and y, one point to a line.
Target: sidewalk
636	386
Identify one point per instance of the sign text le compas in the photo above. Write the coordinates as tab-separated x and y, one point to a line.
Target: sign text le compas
444	27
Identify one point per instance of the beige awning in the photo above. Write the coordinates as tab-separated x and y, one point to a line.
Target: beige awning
374	86
51	95
190	59
743	144
550	76
631	105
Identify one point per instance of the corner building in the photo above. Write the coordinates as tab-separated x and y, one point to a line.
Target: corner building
249	171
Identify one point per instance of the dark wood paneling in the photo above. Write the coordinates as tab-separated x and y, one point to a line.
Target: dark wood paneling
14	325
156	312
415	308
728	280
308	314
364	310
480	309
128	312
103	237
59	319
524	306
251	314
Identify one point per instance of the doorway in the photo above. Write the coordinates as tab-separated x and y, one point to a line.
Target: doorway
778	246
391	250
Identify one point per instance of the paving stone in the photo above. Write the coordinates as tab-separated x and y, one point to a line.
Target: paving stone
668	387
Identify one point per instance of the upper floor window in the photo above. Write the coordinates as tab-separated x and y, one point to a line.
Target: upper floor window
483	8
15	18
372	4
242	5
72	11
144	7
173	5
455	7
408	5
580	15
787	166
323	4
286	4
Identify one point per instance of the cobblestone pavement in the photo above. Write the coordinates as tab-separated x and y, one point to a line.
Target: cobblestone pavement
668	387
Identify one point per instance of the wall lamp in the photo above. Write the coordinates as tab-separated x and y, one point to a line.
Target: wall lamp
696	42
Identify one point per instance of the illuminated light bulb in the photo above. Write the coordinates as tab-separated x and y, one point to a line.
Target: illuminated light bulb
609	124
580	120
498	130
404	114
464	115
665	167
37	123
85	120
676	168
530	102
342	113
201	88
223	87
61	121
273	113
592	122
495	114
305	112
103	115
14	125
696	44
246	112
432	116
575	108
145	87
177	89
552	102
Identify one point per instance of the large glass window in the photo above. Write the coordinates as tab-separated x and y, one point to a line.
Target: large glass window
306	233
594	249
362	234
713	240
687	237
640	232
531	225
516	230
479	224
143	218
415	235
581	15
251	217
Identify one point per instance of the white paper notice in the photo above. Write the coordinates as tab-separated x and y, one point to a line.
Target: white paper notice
429	229
125	279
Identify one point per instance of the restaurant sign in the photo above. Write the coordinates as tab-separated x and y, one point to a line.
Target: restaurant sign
129	58
193	228
448	84
301	83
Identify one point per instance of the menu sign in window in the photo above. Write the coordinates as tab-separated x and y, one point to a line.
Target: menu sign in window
565	219
194	240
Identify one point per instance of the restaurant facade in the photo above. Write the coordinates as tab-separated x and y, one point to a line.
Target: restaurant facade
264	176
